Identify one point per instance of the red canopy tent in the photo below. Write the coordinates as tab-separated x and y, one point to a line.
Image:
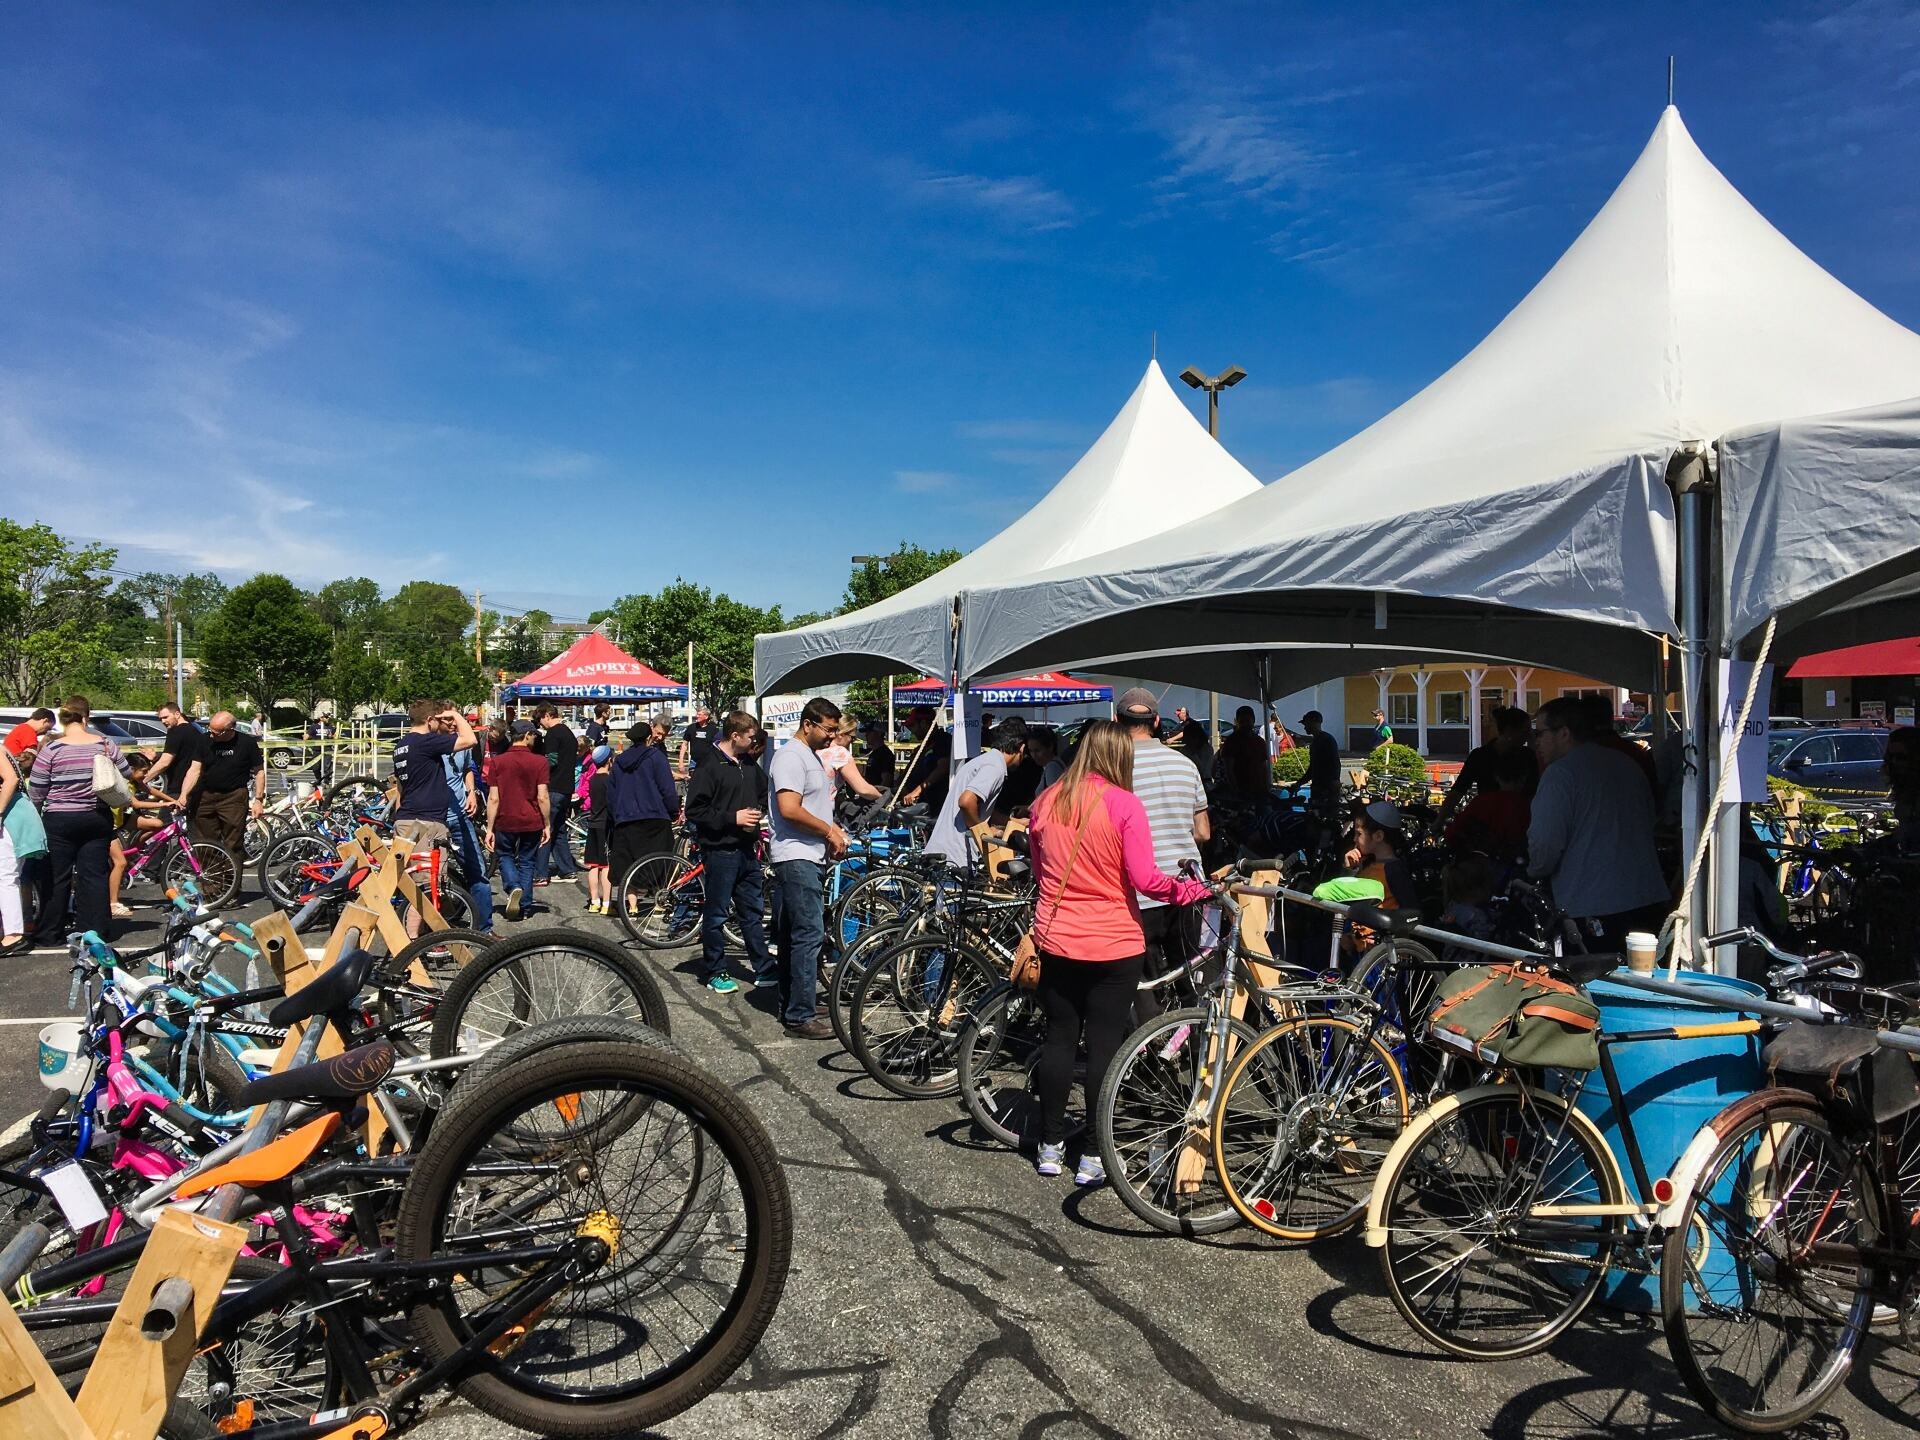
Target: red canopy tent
594	668
1883	657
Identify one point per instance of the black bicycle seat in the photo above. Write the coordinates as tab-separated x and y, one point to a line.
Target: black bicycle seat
346	1075
1583	968
333	989
1391	922
1016	870
1016	841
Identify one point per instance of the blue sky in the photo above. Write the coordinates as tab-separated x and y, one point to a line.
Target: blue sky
562	301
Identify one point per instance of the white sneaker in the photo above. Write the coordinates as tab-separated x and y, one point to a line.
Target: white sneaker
1091	1172
1052	1160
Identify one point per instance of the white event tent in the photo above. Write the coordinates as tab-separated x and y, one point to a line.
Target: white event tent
1153	467
1517	506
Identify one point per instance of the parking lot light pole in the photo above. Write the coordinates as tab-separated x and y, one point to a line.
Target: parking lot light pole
1213	385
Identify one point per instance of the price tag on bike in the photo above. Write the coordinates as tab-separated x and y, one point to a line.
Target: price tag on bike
73	1192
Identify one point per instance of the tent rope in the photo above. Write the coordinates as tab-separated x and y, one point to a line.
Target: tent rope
1676	937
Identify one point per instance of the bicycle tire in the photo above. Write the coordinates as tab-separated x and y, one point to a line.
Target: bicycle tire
219	873
441	954
211	1079
999	1057
1144	1122
541	975
659	901
1783	1171
909	1010
880	895
844	978
529	1384
1321	1101
279	866
1490	1133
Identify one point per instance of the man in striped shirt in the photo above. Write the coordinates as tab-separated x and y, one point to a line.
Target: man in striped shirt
1169	786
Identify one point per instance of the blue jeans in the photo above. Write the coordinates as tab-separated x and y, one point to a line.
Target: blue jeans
517	852
803	927
473	866
556	856
732	882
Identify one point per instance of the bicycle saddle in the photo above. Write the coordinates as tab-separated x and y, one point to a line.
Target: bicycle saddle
1016	869
1389	922
1016	841
333	989
1582	968
346	1075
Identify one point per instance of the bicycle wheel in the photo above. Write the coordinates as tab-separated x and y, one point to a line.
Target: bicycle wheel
877	898
660	901
544	975
1150	1119
213	866
440	954
909	1010
844	980
644	1333
261	831
346	800
1761	1329
999	1050
274	1367
1470	1259
281	870
1306	1116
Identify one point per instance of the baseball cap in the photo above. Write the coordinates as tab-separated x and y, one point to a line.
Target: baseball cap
1137	704
1383	814
602	754
524	727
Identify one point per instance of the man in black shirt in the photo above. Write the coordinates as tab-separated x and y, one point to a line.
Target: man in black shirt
927	780
177	771
726	801
437	730
596	728
1192	741
1323	763
881	767
555	859
230	765
697	740
1480	770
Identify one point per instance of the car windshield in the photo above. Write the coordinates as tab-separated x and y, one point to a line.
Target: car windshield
1778	745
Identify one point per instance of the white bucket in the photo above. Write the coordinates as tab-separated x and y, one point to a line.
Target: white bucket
63	1066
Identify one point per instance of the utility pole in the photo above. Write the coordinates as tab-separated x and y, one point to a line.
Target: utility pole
166	633
479	634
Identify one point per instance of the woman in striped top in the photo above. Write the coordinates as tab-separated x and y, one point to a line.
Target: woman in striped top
79	828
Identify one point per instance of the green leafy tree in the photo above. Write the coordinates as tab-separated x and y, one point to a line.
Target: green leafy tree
519	648
358	674
876	580
54	624
265	643
431	670
349	606
656	629
426	608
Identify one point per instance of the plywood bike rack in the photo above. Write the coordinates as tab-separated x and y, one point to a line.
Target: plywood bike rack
154	1331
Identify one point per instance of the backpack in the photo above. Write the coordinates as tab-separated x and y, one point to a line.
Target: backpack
1517	1017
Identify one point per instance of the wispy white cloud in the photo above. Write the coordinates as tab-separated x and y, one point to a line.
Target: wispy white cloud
1029	431
1017	202
924	482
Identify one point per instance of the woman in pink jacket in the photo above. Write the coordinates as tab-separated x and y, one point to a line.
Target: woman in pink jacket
1092	852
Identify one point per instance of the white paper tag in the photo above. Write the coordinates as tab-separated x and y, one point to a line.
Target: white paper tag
73	1192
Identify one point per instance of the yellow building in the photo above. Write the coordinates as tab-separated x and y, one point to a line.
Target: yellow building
1442	710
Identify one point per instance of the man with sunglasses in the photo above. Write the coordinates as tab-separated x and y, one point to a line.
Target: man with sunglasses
230	766
437	730
1591	833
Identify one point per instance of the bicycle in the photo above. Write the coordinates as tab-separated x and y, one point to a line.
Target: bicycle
167	859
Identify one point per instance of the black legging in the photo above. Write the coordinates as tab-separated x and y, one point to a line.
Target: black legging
78	859
1096	994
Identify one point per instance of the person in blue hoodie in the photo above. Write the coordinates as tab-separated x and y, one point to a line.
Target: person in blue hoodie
644	801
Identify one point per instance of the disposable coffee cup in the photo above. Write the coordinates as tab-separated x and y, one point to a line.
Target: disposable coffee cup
1641	948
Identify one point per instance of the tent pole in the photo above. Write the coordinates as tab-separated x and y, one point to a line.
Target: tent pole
1690	479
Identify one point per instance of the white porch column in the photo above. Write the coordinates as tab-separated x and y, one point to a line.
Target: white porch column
1474	679
1383	678
1521	674
1421	679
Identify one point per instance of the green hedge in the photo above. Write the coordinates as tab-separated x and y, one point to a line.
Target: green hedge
1398	762
1290	766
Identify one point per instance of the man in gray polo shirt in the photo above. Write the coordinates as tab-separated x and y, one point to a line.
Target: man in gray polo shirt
970	798
1592	829
804	839
1169	786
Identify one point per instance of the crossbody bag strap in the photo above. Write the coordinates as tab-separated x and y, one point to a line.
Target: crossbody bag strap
1079	835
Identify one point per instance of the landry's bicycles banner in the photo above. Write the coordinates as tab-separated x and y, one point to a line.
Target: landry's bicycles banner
594	668
1050	688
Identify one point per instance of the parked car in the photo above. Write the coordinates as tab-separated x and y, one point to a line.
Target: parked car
1789	722
1832	762
143	725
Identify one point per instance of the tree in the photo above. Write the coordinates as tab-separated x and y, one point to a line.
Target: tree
265	643
432	670
875	581
427	608
656	629
357	675
53	614
350	606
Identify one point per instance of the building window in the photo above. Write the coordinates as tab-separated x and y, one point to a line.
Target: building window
1606	690
1452	707
1530	701
1403	710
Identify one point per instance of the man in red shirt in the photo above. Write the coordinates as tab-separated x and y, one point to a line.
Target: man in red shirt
518	816
23	741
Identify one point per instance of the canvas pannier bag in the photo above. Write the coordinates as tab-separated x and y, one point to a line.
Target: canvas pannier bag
1517	1017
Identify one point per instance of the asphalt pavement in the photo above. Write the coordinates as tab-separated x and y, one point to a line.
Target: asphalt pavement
940	1288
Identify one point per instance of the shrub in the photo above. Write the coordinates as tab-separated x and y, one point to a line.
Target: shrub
1290	766
1396	762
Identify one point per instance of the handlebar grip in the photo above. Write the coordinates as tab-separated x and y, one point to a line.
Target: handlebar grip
1726	937
25	1247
